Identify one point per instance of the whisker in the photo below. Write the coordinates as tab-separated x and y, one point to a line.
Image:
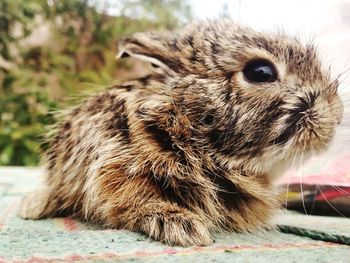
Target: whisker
288	183
340	190
330	204
301	181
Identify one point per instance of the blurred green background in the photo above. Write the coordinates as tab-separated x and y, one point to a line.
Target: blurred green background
52	50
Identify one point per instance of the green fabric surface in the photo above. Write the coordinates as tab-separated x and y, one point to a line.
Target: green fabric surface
67	239
314	234
326	228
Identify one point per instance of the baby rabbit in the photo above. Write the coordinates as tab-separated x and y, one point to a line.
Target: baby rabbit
193	148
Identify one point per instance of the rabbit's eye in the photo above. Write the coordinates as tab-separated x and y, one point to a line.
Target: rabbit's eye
259	71
208	120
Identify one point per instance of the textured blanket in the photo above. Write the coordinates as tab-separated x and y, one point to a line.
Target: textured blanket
322	186
304	238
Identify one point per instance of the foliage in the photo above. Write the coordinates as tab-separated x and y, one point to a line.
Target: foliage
36	79
14	13
22	126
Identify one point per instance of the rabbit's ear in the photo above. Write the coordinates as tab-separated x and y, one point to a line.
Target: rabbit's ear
152	48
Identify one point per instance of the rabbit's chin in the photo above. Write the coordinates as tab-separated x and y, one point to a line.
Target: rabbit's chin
293	157
279	167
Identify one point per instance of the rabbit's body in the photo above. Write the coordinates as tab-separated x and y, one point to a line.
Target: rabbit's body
192	149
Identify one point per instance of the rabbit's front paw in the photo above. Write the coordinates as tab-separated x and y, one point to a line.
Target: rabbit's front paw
181	228
33	206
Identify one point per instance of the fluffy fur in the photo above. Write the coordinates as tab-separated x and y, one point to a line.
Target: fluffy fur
192	148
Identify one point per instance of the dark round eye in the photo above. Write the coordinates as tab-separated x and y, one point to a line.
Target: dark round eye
260	71
208	120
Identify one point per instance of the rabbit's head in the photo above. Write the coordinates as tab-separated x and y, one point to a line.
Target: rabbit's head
247	99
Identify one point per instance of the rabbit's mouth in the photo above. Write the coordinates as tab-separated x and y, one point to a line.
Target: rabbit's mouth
307	130
309	125
307	133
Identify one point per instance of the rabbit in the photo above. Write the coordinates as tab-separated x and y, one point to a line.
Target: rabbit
193	148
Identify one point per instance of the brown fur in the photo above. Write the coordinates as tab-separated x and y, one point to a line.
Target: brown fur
192	148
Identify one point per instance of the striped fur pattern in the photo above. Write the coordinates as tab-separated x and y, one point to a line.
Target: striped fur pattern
193	148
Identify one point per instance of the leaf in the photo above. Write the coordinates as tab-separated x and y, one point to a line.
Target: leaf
6	155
